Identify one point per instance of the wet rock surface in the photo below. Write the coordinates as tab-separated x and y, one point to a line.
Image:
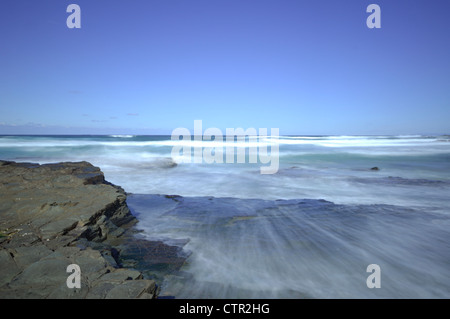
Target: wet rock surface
55	215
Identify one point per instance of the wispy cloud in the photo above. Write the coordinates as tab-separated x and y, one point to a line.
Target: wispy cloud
133	114
36	128
33	124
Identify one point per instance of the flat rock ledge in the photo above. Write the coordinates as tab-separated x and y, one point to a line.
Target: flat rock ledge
55	215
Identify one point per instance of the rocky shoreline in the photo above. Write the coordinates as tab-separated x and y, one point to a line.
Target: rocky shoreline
55	215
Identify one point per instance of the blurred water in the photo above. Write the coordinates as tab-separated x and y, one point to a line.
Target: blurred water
331	167
253	235
252	248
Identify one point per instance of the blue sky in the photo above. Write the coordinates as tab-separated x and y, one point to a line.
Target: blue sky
150	66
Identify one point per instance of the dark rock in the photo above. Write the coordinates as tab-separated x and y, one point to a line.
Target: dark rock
395	180
133	289
153	255
54	215
375	169
174	197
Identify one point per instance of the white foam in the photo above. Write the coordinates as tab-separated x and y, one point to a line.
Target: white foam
122	136
310	167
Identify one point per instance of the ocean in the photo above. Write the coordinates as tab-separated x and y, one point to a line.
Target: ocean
335	205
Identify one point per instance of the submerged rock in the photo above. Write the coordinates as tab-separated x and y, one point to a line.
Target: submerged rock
52	216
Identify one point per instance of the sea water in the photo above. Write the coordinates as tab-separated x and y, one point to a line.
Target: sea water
308	231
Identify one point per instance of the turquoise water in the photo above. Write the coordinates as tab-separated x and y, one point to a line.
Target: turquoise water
335	168
310	230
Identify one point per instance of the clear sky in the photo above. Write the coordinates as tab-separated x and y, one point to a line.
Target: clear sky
150	66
